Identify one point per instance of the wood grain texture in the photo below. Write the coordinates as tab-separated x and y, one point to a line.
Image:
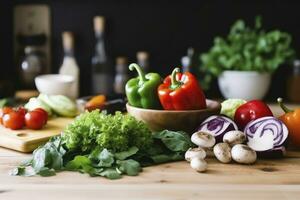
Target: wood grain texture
265	180
26	140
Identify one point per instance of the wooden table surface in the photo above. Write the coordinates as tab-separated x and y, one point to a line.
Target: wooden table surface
267	179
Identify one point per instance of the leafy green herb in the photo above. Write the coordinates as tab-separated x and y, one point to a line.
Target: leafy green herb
174	141
46	172
248	49
163	158
80	163
129	167
125	154
115	132
111	173
104	160
22	171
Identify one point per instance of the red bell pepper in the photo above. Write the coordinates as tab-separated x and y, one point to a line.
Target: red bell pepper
250	111
181	92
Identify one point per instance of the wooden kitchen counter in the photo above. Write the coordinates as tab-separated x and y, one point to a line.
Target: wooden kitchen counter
267	179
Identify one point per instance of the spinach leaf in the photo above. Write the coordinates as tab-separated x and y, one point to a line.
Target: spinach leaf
106	158
55	156
22	171
174	141
80	163
125	154
129	167
41	159
46	172
163	158
110	173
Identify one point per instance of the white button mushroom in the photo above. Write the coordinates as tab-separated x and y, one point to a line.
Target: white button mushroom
194	153
209	152
222	152
203	139
243	154
234	137
198	164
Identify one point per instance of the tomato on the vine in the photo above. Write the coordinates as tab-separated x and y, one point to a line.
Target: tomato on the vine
13	120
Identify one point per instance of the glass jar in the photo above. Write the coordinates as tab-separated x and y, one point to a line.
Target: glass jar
293	83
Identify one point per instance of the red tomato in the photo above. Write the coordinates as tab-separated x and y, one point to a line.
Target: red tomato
3	111
35	120
13	120
21	110
44	113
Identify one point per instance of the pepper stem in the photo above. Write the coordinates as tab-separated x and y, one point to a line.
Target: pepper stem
283	107
140	72
174	82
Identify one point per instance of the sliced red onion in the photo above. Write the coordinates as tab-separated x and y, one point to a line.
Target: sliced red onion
217	126
267	135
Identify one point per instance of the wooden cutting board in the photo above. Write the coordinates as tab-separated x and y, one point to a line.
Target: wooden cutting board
26	140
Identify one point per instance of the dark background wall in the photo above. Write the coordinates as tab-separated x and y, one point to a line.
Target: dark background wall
164	28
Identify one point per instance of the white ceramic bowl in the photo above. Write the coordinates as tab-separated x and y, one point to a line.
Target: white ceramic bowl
246	85
54	84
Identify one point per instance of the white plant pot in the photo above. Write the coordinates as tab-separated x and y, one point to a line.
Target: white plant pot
246	85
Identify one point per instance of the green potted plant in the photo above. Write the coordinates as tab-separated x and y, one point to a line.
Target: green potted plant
245	60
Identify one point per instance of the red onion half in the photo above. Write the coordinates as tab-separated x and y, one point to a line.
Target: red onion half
217	126
267	136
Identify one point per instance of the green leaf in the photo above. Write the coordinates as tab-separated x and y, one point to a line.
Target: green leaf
41	158
248	49
163	158
125	154
46	172
106	159
110	173
129	167
80	163
22	171
174	141
116	132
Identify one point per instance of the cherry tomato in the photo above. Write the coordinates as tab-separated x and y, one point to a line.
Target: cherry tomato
44	113
21	110
13	120
3	111
35	120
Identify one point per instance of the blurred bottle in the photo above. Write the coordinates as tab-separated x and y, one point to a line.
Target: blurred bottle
32	65
293	83
69	65
102	70
143	60
122	76
187	61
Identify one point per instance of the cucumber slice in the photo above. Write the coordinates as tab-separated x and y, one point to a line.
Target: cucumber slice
60	104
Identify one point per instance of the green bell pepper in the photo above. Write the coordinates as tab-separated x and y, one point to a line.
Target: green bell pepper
142	91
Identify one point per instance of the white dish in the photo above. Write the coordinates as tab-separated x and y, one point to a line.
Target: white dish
54	84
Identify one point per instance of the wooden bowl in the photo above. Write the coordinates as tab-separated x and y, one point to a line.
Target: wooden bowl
185	120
